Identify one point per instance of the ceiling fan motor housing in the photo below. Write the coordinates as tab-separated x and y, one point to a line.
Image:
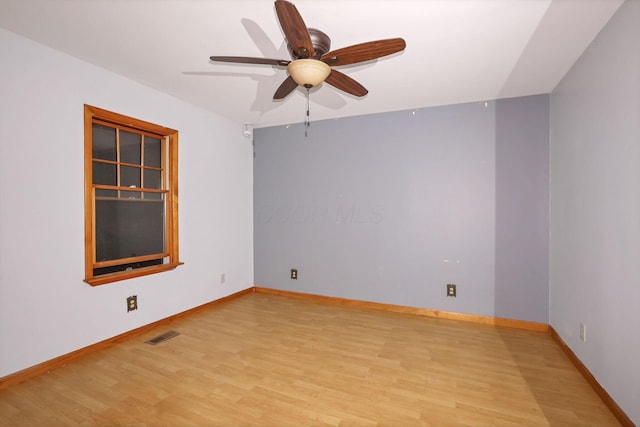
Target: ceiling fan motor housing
320	41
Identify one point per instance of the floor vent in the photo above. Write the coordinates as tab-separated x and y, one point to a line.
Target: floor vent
162	337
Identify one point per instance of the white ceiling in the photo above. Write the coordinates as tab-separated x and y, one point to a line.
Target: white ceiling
457	50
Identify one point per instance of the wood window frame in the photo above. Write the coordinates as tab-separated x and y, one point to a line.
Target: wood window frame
170	163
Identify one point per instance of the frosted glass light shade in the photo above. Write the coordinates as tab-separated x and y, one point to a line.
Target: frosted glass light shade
308	72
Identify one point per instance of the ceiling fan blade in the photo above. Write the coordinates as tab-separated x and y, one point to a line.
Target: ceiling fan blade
363	52
294	29
287	86
346	83
250	60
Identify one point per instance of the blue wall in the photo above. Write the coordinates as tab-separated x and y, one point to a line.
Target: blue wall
595	208
391	207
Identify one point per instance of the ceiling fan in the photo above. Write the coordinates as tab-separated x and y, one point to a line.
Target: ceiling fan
312	62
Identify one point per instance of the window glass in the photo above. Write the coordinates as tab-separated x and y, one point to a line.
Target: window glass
152	152
128	229
152	179
130	147
106	193
129	176
104	143
105	173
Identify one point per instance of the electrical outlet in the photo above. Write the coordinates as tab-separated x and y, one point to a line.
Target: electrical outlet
132	303
451	290
222	278
294	274
583	332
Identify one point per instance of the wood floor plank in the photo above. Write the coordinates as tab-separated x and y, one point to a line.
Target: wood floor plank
274	360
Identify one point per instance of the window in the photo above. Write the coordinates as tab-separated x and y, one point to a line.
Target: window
131	197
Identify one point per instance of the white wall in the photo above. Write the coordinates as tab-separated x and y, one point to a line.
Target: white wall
595	208
46	310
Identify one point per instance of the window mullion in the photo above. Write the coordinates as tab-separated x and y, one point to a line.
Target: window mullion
142	185
118	166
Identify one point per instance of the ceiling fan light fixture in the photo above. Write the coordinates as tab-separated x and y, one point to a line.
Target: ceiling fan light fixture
308	72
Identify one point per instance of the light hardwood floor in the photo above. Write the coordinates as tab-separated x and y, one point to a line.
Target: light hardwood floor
278	361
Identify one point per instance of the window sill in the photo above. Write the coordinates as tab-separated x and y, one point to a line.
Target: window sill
124	275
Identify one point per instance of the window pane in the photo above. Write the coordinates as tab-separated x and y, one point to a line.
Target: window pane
152	152
130	195
104	173
103	142
130	147
106	193
129	176
128	228
152	179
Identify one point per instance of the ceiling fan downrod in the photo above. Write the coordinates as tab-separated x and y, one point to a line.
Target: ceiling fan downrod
307	123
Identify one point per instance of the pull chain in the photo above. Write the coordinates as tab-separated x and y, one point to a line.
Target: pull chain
307	123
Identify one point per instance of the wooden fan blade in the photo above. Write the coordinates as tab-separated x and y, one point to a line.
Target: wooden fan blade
346	83
363	52
287	86
250	60
294	29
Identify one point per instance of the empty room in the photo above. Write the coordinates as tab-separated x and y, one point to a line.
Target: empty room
354	213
